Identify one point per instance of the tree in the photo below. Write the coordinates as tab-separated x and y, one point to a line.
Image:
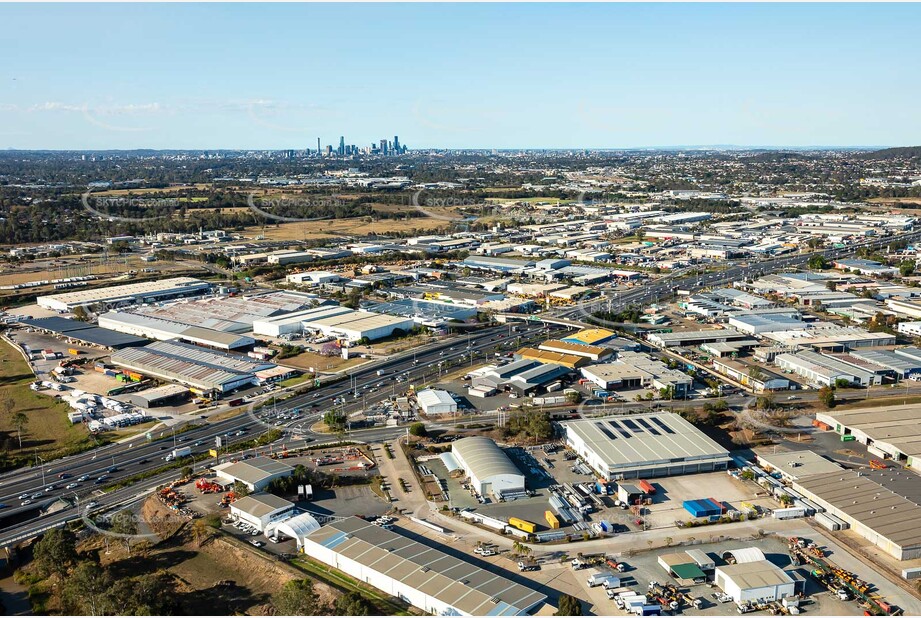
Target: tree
569	606
240	490
56	552
80	313
573	397
827	397
418	430
818	262
187	472
297	598
150	594
352	604
86	591
831	285
200	531
125	523
906	268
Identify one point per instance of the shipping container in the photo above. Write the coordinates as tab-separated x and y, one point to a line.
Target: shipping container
235	402
522	524
552	520
647	487
701	508
790	513
848	438
73	351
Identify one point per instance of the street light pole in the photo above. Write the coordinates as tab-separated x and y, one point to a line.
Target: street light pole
42	468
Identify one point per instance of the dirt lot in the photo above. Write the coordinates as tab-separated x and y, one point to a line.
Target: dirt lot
334	228
321	363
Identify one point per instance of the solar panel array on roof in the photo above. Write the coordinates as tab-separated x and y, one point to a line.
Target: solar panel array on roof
656	444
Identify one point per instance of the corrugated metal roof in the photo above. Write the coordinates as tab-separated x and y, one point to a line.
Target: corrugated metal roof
467	588
484	458
642	440
758	574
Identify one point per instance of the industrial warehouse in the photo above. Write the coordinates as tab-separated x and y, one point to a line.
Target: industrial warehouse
202	370
335	321
133	293
883	506
889	433
644	445
255	473
162	329
487	466
437	583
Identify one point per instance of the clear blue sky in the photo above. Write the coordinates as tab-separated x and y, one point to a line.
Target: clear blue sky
484	76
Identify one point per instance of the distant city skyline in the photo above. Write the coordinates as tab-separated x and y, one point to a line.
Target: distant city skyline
476	76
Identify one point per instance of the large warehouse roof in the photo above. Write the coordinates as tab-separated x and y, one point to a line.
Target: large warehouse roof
484	457
132	291
466	587
81	331
885	501
164	329
645	439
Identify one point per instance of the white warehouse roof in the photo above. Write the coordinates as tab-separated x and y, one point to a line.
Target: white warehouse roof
484	458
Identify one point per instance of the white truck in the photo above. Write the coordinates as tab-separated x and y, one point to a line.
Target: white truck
598	578
179	452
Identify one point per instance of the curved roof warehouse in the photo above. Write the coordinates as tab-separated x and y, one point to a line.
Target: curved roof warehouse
489	468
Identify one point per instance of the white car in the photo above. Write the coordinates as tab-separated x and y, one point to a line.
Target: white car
27	501
72	486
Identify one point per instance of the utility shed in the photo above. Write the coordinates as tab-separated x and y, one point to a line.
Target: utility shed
433	581
760	580
682	567
489	468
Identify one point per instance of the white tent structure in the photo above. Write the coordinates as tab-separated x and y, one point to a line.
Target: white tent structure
741	556
296	527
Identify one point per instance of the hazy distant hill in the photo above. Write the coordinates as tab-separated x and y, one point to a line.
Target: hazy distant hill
904	152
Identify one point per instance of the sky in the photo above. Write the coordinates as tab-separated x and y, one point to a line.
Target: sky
210	76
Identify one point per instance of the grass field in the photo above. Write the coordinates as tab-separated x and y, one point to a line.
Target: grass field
332	228
47	432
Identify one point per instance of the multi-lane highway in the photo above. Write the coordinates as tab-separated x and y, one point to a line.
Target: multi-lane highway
120	461
42	485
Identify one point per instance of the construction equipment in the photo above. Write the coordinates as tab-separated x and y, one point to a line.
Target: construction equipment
208	487
876	464
840	582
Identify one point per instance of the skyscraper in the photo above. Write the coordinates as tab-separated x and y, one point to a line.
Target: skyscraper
384	147
396	144
318	147
342	146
